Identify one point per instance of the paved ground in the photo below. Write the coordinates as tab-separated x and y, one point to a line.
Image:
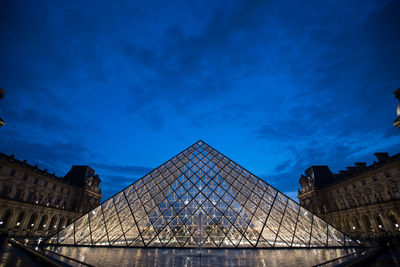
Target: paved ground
390	257
12	256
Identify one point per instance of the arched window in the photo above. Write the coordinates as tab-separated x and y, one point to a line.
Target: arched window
19	219
379	222
356	224
52	225
61	223
32	221
42	224
5	219
366	222
393	220
346	224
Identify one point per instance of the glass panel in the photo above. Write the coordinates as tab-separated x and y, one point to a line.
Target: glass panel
200	197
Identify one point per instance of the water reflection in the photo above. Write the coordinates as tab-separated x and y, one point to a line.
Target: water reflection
100	256
12	256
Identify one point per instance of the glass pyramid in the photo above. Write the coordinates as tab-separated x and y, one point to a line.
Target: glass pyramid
200	198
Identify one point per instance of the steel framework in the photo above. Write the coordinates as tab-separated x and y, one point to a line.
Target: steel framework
200	198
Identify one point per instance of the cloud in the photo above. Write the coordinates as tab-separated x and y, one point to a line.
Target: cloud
308	83
112	184
55	156
132	170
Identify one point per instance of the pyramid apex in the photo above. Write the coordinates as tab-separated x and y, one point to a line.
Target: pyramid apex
200	142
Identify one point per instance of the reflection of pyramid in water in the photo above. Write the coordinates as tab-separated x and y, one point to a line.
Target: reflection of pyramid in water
200	197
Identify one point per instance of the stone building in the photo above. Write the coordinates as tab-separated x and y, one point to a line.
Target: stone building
363	201
34	202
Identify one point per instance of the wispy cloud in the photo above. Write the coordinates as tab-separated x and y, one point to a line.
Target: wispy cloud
280	86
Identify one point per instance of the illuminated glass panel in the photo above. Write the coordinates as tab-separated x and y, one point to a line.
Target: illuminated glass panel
200	198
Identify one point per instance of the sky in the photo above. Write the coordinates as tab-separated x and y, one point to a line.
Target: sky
123	86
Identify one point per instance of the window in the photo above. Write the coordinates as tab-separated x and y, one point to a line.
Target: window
42	224
54	187
4	192
12	173
36	181
25	177
19	220
387	174
18	194
374	178
354	186
363	182
5	219
45	184
32	220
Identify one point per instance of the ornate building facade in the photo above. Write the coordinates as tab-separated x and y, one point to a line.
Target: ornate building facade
34	202
363	201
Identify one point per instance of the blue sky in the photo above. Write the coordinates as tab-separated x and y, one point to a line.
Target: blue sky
123	86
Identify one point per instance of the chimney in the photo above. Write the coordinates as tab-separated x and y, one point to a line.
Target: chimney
382	156
351	169
361	165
